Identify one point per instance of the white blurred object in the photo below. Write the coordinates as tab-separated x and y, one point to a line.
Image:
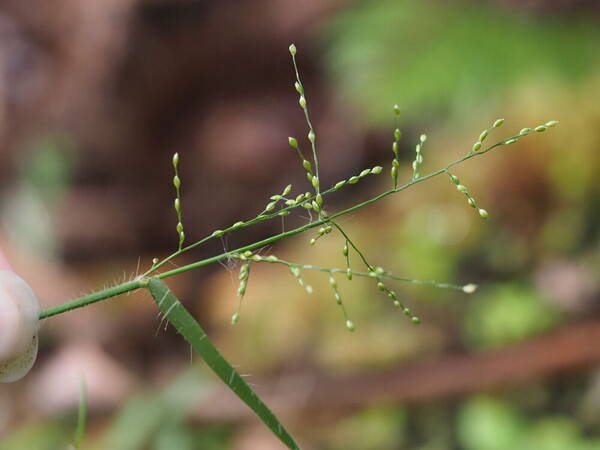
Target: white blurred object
56	386
19	312
567	284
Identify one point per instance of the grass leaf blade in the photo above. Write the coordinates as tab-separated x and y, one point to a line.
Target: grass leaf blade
81	415
193	333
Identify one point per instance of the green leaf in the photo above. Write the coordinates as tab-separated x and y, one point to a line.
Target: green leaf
193	333
81	415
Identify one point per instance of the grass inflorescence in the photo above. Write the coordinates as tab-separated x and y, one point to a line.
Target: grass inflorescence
326	224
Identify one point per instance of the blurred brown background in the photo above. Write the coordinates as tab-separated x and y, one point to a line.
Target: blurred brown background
95	97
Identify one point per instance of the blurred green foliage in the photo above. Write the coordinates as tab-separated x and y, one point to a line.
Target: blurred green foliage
376	427
429	55
47	166
490	423
158	420
44	172
506	313
47	435
155	420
